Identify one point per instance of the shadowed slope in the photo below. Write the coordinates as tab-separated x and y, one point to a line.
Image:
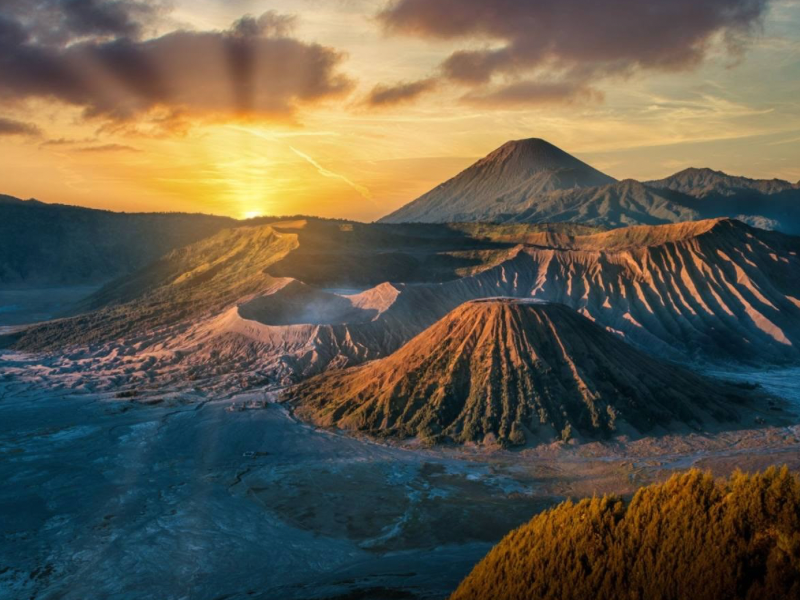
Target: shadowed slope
297	304
54	244
618	204
690	537
292	332
765	203
509	369
236	265
702	183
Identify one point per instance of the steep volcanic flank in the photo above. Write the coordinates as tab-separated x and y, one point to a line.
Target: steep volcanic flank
716	291
532	181
500	183
508	370
199	279
712	291
618	204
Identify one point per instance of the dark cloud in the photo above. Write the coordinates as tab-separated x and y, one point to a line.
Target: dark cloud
108	148
475	67
63	21
64	142
254	68
571	44
271	23
12	127
389	95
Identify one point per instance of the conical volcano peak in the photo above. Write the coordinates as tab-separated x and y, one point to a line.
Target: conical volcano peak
521	159
503	182
512	371
533	152
503	307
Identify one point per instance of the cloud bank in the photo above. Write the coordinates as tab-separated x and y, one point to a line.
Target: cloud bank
254	68
558	50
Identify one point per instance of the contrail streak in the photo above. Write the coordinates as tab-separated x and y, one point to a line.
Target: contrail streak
275	136
362	190
365	193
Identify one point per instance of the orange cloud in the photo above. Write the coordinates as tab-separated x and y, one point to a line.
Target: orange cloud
14	127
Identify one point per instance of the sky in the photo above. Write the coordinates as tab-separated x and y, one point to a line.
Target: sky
351	108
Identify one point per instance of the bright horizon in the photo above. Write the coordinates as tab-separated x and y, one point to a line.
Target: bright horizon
352	109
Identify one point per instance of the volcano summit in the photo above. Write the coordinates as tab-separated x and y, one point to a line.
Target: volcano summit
501	183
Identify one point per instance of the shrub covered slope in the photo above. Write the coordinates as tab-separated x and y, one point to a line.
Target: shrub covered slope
691	537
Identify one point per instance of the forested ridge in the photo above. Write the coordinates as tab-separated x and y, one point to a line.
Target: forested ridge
691	537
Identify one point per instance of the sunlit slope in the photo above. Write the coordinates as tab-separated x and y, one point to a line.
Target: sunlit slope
201	279
691	537
715	291
511	371
711	290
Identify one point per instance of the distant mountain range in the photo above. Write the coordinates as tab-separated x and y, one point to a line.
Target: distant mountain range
532	181
702	183
55	244
523	181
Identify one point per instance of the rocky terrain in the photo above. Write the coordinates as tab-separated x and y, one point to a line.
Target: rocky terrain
227	312
532	181
172	493
145	453
515	371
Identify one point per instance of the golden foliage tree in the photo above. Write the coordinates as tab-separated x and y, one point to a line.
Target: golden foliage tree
691	537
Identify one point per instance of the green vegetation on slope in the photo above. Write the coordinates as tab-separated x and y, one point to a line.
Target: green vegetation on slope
691	537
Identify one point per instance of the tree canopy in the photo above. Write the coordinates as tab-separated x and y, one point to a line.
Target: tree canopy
690	537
